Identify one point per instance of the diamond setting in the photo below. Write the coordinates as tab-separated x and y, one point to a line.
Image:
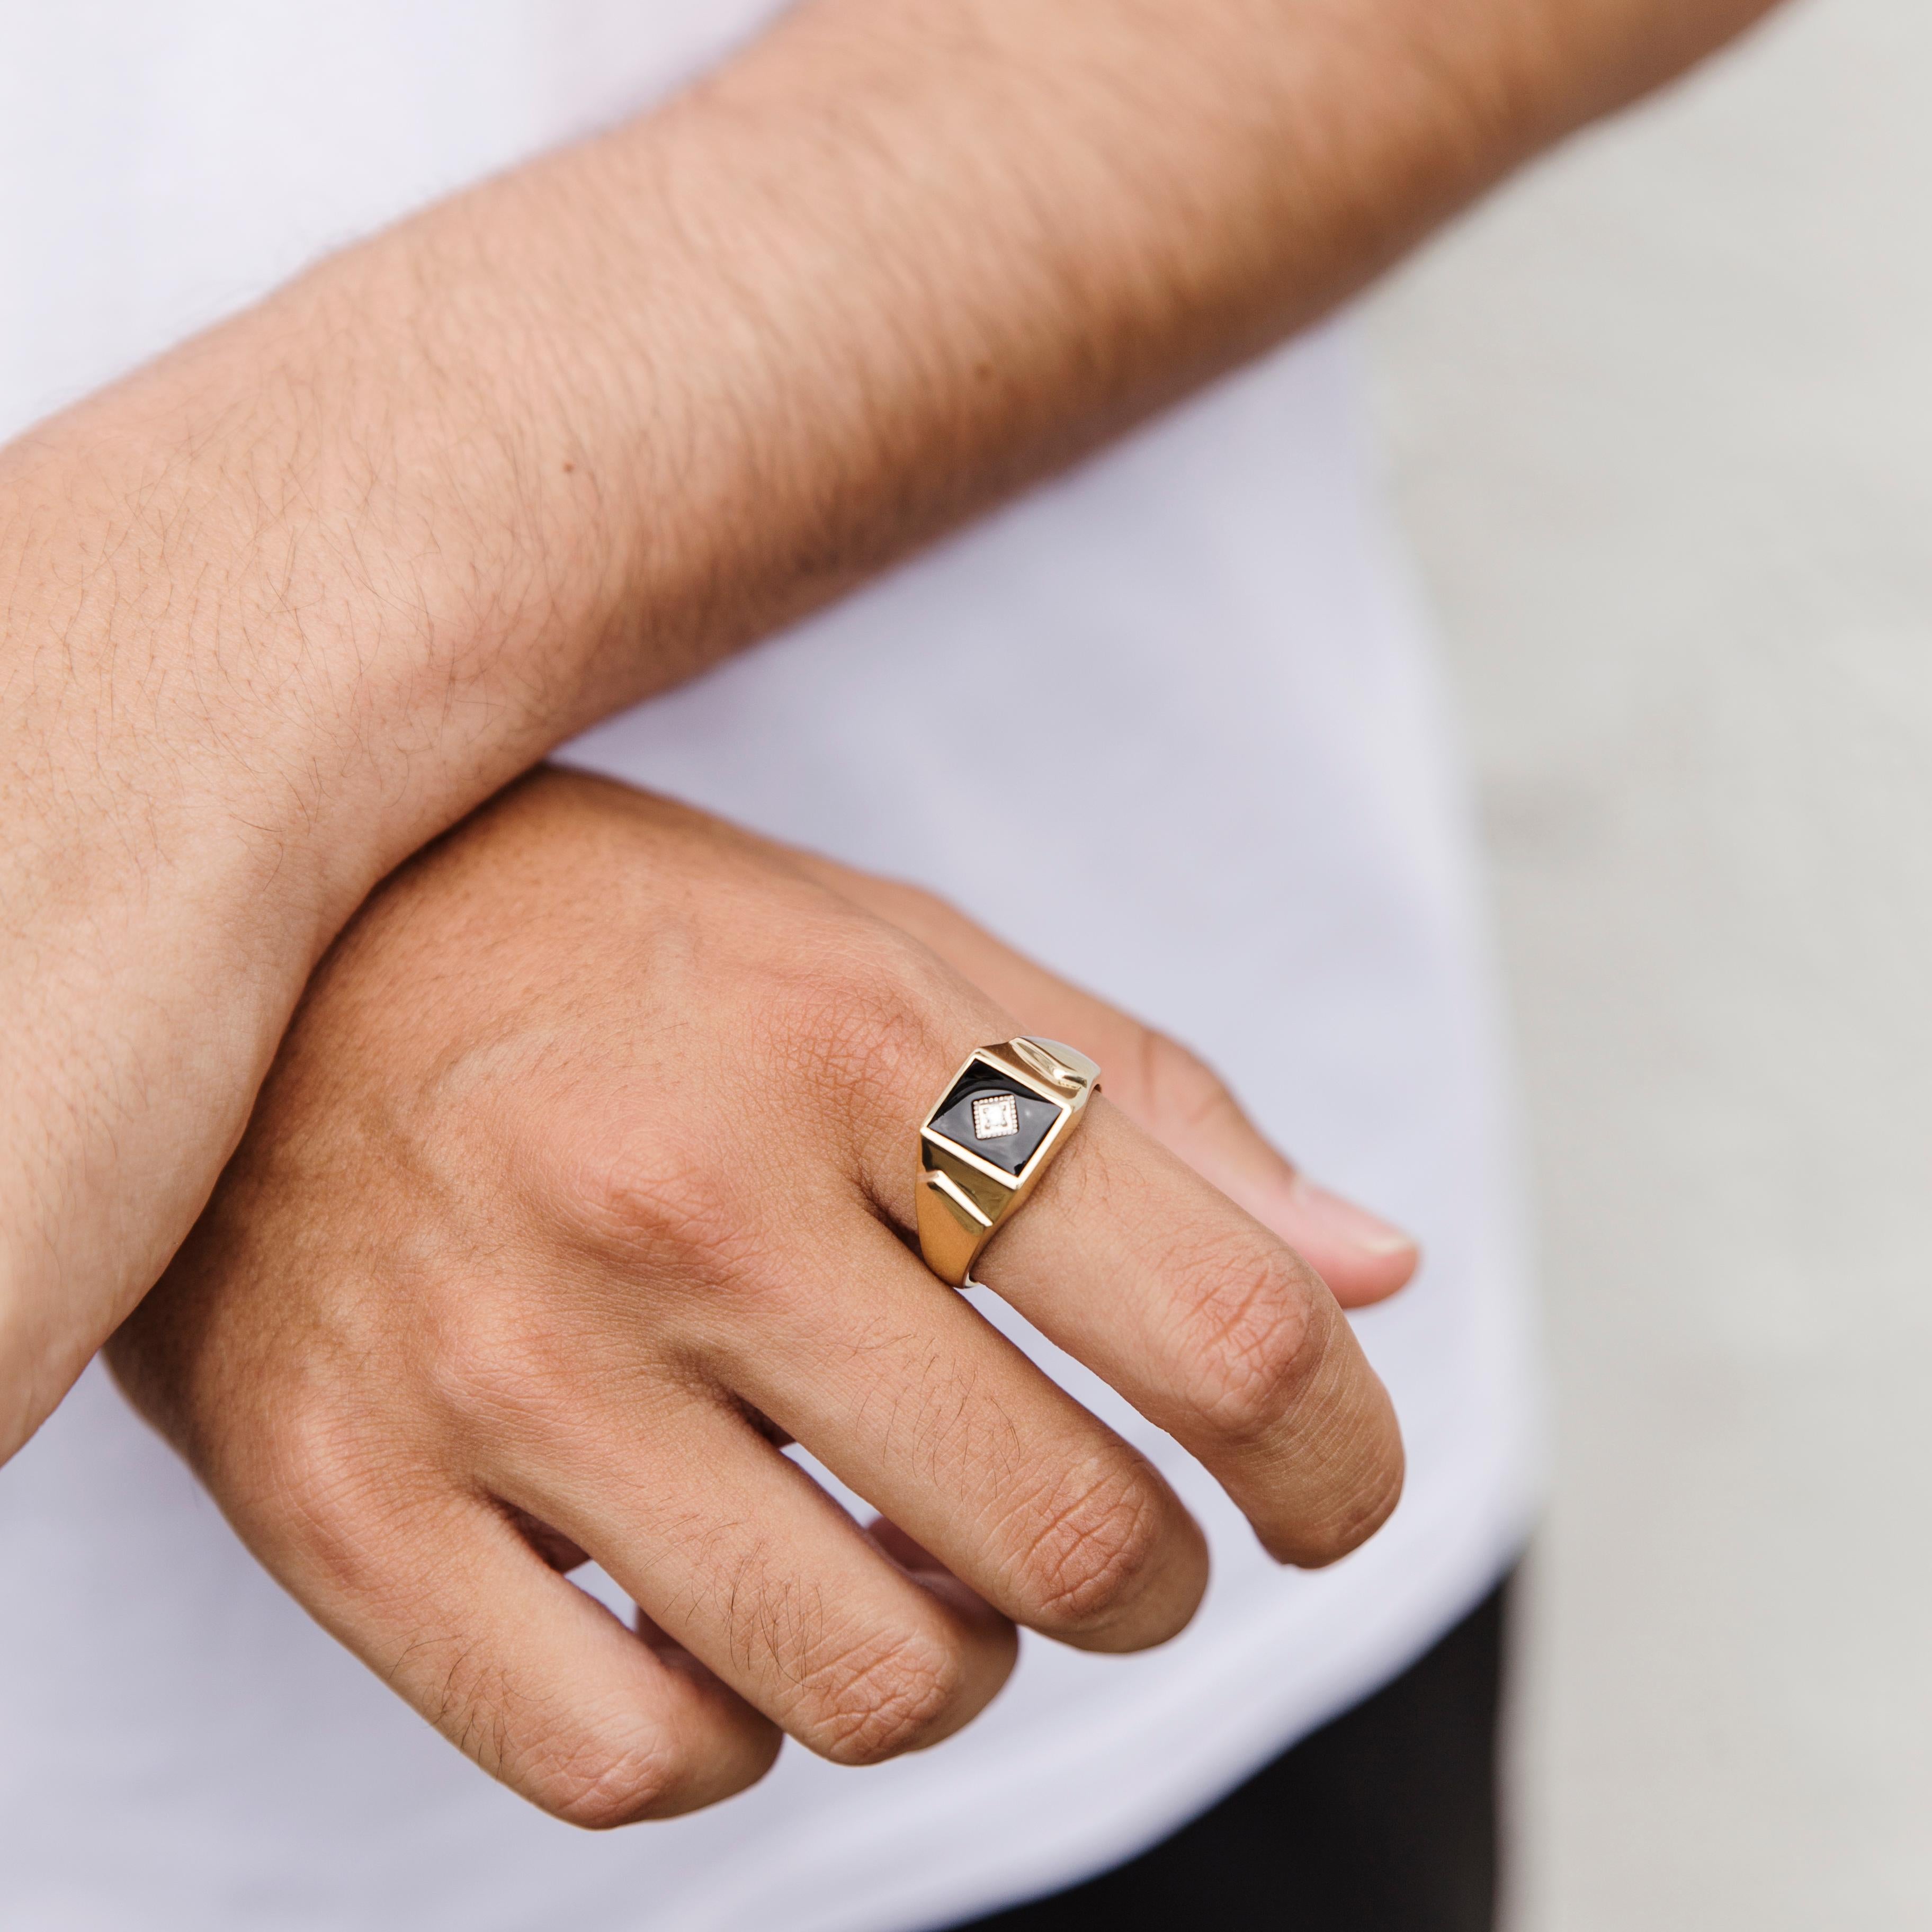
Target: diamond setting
974	1117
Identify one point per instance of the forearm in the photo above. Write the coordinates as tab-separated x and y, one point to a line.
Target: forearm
552	445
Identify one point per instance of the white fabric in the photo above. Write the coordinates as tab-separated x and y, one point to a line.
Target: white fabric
1266	851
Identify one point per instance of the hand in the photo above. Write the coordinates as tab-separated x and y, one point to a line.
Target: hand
583	1177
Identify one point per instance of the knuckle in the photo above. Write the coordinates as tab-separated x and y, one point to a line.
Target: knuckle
1374	1498
499	1367
602	1769
316	1484
597	1782
1091	1547
1251	1330
490	1358
886	1694
1366	1485
883	1026
1178	1083
677	1209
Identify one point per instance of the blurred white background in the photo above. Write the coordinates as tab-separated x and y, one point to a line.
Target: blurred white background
1660	422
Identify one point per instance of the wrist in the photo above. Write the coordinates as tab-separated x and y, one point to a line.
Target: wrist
246	622
274	612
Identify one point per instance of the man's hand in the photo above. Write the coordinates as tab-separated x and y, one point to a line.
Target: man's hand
584	1174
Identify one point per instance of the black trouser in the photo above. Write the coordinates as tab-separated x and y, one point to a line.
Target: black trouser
1384	1820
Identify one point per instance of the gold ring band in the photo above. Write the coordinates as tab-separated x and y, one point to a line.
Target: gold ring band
1004	1115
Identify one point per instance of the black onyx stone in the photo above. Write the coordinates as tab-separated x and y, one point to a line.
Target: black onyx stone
1011	1152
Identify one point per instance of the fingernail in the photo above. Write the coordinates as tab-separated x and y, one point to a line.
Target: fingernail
1343	1221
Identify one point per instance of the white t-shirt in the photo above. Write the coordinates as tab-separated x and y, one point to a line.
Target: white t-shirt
1267	853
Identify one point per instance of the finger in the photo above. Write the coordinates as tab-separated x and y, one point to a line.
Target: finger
1163	1088
913	1400
1214	1328
909	1555
530	1677
917	1561
1209	1323
734	1553
1168	1092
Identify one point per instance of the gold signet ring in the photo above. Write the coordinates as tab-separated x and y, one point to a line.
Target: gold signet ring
1005	1114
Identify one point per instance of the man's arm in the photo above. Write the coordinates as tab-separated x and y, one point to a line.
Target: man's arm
280	608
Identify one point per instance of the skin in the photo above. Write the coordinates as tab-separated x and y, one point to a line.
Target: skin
499	1277
279	609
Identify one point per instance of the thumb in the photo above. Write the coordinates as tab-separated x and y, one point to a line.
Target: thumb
1161	1087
